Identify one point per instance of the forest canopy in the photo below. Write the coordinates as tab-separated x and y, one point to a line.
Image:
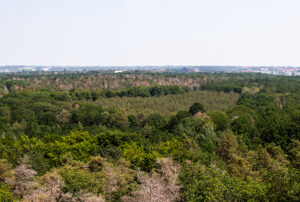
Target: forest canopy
185	137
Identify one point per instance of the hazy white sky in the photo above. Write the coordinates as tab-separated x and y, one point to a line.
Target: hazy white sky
150	32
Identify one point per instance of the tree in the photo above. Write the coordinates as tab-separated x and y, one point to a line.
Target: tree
257	100
46	113
121	180
294	153
132	121
5	170
182	115
273	126
190	126
23	178
87	114
119	119
201	184
52	183
96	164
5	117
195	108
227	145
158	186
155	120
138	157
82	180
220	119
156	91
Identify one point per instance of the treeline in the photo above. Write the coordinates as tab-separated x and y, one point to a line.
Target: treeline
157	90
223	87
266	83
226	82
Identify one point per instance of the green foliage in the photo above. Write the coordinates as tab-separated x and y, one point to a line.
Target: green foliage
38	161
168	104
294	153
243	123
81	145
5	170
13	85
87	114
195	108
273	126
96	164
201	184
244	190
132	121
138	157
156	121
175	119
226	145
207	138
220	119
121	180
210	184
190	126
87	135
257	100
5	193
82	180
182	114
280	184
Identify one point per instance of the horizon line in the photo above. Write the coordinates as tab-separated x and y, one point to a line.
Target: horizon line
185	65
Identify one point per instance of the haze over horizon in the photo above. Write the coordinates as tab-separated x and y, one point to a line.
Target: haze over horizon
156	32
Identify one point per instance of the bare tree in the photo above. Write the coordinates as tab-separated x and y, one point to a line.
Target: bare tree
161	185
39	195
23	178
169	171
152	188
53	183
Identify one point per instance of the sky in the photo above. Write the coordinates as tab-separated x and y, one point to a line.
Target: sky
150	32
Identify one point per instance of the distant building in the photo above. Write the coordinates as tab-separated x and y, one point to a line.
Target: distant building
27	69
285	73
185	69
188	69
45	69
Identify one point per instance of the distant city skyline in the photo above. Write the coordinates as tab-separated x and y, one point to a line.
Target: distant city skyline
150	32
284	70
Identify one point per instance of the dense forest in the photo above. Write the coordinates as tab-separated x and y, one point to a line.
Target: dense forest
141	136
